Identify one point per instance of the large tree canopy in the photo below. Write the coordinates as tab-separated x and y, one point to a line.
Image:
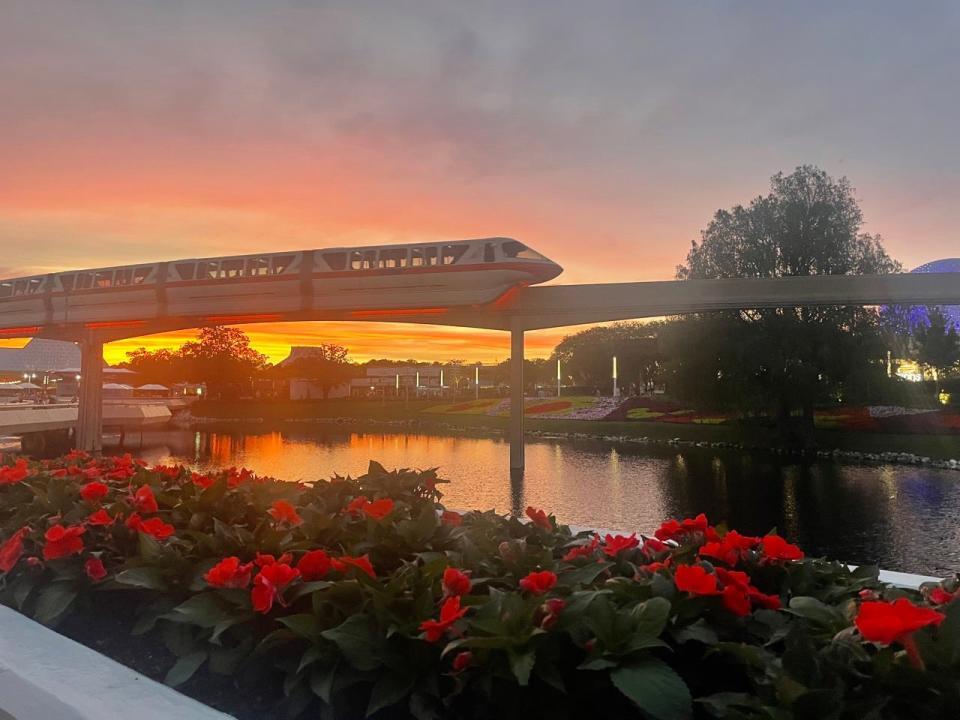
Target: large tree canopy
782	360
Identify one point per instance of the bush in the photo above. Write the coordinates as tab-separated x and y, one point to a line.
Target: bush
363	596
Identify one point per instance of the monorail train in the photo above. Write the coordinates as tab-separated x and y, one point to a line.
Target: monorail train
367	280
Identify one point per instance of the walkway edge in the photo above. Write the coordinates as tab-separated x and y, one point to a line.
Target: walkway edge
46	676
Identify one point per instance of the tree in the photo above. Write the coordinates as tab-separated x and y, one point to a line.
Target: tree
785	358
587	356
222	358
937	341
326	365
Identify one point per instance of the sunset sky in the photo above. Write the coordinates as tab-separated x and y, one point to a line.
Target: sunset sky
603	134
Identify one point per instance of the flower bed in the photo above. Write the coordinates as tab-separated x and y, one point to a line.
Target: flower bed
364	596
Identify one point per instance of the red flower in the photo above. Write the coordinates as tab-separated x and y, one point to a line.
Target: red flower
100	517
229	573
735	600
939	596
63	542
695	580
264	559
731	548
652	545
377	510
450	612
342	564
770	602
154	526
551	612
145	500
613	545
672	530
93	491
451	518
283	511
539	583
580	551
15	473
539	518
655	566
455	582
12	550
95	569
462	661
314	565
201	481
776	548
269	584
886	623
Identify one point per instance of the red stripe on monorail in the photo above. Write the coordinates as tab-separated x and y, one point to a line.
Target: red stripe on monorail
114	324
240	319
18	331
394	312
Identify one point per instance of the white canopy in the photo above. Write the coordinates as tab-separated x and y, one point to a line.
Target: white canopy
153	386
116	386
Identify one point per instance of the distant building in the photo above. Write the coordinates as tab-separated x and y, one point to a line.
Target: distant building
918	313
38	357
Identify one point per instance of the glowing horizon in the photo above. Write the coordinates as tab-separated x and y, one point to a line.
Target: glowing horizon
141	132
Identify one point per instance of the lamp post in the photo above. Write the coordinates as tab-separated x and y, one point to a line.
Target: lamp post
558	377
441	382
417	391
616	390
397	385
476	380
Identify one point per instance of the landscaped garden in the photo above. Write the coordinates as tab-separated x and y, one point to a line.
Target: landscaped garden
364	596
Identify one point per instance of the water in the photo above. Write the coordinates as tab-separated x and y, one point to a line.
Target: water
900	517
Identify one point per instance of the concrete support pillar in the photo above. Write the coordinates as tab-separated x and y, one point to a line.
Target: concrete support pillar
89	435
516	401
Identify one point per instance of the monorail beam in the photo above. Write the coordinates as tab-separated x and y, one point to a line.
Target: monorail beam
516	401
89	432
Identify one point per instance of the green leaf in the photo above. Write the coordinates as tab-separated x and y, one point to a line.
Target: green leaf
54	601
142	577
150	547
389	689
521	665
204	610
321	681
816	612
655	688
236	618
358	641
304	624
184	668
651	618
583	575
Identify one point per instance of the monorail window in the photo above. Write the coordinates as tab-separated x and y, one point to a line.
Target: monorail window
335	261
141	274
513	249
208	271
452	253
257	267
6	289
363	260
123	277
104	279
393	258
66	282
185	270
420	257
84	281
20	288
489	254
231	268
279	264
34	285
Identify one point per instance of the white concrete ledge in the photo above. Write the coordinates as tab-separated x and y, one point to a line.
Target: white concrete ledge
45	676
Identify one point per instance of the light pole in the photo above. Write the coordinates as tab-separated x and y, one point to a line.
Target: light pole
416	392
558	377
397	385
616	390
441	382
476	380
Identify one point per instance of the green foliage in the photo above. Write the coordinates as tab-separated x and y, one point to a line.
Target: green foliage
612	634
